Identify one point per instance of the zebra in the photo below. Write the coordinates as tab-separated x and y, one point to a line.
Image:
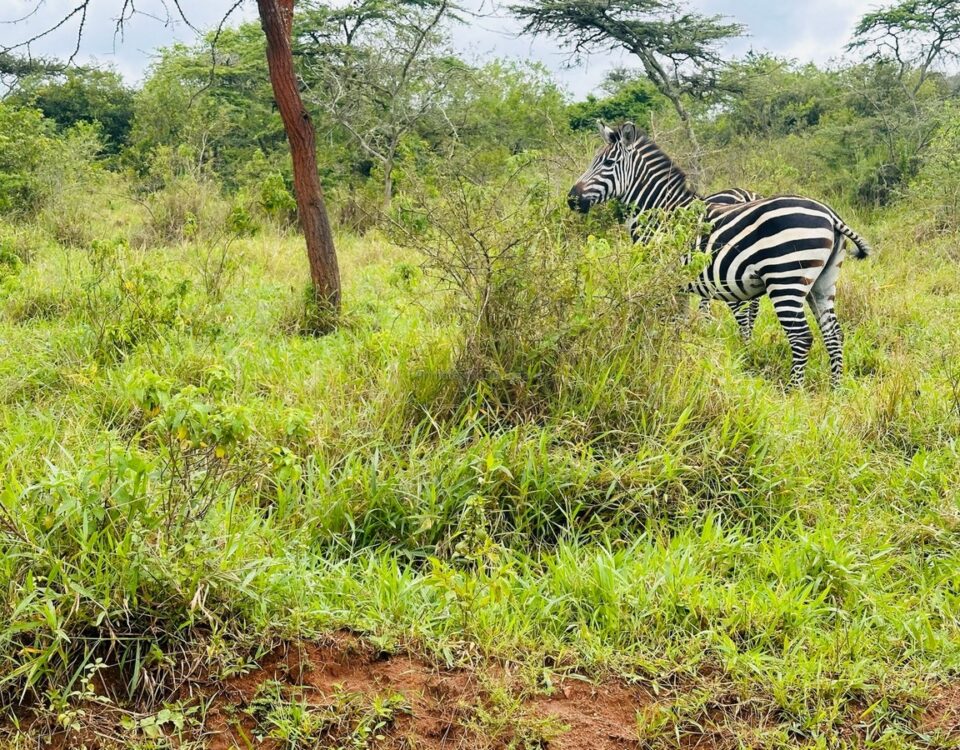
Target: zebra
744	313
787	247
731	196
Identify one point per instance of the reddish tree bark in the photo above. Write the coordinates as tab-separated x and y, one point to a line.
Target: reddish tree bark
276	18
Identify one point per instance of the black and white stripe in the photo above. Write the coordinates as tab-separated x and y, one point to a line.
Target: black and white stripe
745	313
787	247
732	196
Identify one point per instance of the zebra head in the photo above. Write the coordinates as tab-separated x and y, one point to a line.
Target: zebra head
613	170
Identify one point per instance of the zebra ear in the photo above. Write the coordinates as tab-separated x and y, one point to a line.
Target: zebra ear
629	133
608	134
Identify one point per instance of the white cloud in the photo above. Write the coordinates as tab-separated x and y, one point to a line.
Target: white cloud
152	27
811	31
814	30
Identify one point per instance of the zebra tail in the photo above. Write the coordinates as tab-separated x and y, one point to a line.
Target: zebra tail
863	249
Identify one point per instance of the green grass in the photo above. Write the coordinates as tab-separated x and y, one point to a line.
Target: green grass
199	478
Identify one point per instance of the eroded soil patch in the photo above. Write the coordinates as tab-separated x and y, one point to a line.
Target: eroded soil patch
343	693
438	708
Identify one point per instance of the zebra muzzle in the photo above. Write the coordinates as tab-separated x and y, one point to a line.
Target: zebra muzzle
576	200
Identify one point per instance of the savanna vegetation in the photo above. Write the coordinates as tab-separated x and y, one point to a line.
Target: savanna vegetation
517	453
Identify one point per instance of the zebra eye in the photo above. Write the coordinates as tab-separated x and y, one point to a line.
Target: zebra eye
608	162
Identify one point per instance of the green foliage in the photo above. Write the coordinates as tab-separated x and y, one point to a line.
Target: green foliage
25	143
850	133
186	203
676	48
506	108
769	97
520	445
381	70
533	303
10	261
240	223
86	95
276	200
128	303
485	239
222	114
506	722
48	177
71	182
935	193
634	101
915	33
655	508
17	67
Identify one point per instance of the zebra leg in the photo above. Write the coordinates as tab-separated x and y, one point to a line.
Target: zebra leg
821	303
745	313
822	308
788	305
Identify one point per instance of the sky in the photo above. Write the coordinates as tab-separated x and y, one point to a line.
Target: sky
812	30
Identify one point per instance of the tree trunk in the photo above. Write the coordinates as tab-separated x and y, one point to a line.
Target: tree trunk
276	18
388	182
387	192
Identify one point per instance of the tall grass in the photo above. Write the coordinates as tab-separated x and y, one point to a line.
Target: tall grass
603	481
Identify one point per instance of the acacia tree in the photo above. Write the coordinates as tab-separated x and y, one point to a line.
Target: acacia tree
276	19
915	34
378	68
14	69
677	49
907	42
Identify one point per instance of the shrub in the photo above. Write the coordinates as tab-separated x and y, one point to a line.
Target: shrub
510	286
187	208
70	180
128	302
26	141
183	200
22	241
276	200
266	191
47	176
10	261
303	316
533	305
935	192
240	223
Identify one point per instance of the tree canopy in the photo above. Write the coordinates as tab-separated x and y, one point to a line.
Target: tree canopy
917	34
677	48
379	68
73	95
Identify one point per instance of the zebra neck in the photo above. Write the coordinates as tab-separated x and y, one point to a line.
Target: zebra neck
666	198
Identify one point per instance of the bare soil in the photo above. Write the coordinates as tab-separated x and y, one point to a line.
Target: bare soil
443	704
488	708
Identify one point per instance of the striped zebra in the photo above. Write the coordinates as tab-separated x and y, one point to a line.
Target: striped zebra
731	196
787	247
744	313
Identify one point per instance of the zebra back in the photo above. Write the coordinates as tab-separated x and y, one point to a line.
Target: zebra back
731	196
